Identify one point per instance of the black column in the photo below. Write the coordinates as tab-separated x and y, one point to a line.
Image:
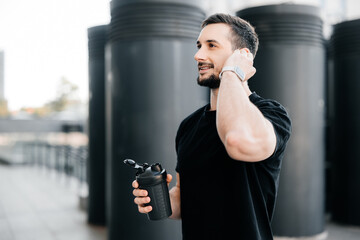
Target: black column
345	44
151	87
291	69
97	157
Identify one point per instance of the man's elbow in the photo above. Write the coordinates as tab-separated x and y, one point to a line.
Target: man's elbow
247	148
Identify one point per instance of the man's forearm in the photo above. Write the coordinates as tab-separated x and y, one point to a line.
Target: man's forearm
244	131
175	202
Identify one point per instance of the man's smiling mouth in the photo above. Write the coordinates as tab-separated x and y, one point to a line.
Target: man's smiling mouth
204	67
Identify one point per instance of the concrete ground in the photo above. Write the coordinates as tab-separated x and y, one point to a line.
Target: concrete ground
36	204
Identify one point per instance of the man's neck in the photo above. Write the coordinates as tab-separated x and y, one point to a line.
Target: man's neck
213	98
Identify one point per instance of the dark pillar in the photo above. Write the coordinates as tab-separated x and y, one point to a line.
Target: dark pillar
291	69
346	139
97	155
151	77
330	126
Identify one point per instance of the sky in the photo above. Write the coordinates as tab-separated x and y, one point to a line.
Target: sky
43	41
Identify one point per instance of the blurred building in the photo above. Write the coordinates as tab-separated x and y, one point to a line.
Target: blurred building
2	96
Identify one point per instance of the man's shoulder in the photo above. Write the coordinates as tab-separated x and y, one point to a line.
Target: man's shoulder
270	107
193	117
261	102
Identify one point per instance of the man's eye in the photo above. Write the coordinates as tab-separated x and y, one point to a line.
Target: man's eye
211	45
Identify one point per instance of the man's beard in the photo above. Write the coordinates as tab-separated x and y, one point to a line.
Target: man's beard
213	82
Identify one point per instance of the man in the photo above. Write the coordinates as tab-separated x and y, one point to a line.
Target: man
230	151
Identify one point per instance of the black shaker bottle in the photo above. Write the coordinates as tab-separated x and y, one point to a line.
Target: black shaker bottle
153	180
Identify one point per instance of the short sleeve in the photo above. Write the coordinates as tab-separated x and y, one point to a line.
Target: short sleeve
278	116
177	139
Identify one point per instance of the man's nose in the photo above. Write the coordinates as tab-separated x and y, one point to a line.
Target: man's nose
200	55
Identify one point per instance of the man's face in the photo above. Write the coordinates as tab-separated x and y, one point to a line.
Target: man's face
214	48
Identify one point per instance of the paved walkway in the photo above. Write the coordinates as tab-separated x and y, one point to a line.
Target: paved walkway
36	204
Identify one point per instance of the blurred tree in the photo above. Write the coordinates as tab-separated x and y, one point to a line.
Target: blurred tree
4	111
66	94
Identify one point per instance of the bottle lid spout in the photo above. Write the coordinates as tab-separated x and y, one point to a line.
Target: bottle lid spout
140	167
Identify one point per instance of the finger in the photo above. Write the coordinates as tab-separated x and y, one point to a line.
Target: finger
243	52
247	50
140	192
144	209
251	73
141	200
169	177
135	184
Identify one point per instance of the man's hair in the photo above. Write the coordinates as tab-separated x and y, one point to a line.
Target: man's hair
243	34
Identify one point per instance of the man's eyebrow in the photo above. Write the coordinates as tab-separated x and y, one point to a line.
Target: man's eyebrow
212	40
208	41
